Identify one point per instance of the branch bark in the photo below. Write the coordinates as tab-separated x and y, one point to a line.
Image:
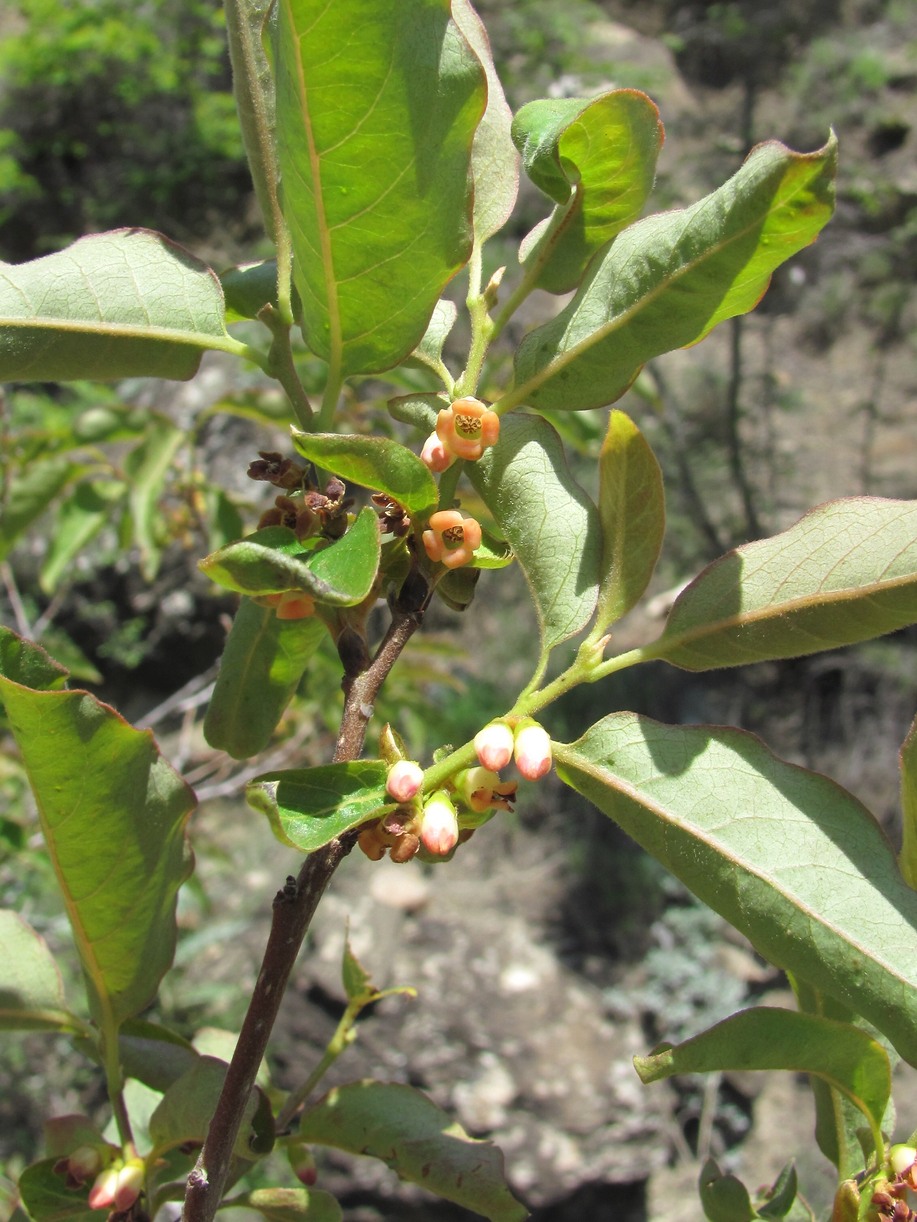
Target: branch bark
293	910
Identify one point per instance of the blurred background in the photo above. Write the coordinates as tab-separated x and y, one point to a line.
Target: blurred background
551	951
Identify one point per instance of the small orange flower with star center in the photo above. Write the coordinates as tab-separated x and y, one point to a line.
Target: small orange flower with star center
463	430
451	540
467	428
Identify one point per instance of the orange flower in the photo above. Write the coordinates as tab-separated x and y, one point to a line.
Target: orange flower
292	604
467	428
451	540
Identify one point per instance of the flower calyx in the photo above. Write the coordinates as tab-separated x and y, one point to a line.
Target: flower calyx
273	468
451	540
482	791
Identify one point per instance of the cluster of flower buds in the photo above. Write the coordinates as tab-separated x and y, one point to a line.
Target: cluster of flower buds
451	539
463	430
118	1187
527	742
434	825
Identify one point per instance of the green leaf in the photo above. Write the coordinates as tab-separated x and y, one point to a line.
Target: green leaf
129	303
272	561
249	288
782	1196
292	1204
632	511
27	663
262	665
548	520
47	1198
186	1109
372	462
840	1129
31	990
355	977
789	858
79	519
28	496
766	1038
308	807
494	163
429	352
845	572
599	159
154	1055
113	814
375	168
414	1137
669	279
908	857
724	1198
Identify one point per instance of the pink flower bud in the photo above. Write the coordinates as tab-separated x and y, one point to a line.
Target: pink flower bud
494	745
129	1185
404	780
102	1193
532	750
439	830
302	1161
435	454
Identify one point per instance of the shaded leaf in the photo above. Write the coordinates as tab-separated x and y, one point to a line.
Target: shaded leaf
154	1055
548	520
724	1198
129	303
186	1109
113	814
418	1140
31	990
47	1198
494	162
263	662
372	462
308	807
376	188
669	279
766	1038
249	288
598	158
832	908
845	572
632	512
